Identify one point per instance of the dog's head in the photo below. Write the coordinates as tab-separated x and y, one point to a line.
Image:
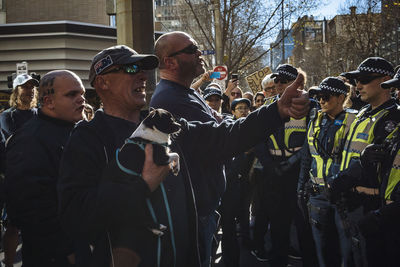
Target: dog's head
157	127
162	120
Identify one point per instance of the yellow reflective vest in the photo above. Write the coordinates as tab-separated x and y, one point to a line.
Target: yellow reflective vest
321	164
394	175
360	135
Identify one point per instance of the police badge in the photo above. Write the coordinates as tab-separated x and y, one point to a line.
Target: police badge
389	126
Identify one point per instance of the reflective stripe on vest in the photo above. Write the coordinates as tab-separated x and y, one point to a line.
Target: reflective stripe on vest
360	135
340	135
394	176
292	126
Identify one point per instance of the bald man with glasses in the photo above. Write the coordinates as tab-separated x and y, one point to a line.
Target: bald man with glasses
181	62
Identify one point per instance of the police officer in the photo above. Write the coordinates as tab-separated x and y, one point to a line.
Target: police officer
321	158
281	164
372	124
380	227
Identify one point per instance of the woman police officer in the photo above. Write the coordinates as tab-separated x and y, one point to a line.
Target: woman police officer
326	134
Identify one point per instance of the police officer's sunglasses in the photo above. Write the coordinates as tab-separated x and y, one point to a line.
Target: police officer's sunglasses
366	79
190	49
130	69
281	80
324	97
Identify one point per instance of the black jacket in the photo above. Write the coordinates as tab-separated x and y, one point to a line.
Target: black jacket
12	119
90	205
33	156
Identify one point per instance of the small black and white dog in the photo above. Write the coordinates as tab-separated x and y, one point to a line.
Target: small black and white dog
156	129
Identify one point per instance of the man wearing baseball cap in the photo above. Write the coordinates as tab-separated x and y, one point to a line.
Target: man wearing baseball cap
22	104
372	124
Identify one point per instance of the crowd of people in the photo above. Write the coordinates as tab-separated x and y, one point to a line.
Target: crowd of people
324	162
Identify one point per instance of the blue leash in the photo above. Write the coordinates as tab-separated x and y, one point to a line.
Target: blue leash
150	206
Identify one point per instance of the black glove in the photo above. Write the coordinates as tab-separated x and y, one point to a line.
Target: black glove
373	153
369	224
338	184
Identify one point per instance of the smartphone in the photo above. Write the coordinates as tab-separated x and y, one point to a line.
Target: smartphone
235	76
215	75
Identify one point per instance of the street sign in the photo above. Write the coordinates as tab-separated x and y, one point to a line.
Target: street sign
22	68
207	52
254	80
223	70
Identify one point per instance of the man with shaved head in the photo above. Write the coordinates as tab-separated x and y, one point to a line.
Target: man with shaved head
33	156
181	62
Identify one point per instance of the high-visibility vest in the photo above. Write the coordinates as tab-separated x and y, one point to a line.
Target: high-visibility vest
292	143
394	175
321	165
270	100
360	135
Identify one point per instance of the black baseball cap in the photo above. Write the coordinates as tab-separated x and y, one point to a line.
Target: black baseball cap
395	82
240	100
330	85
120	55
285	71
371	65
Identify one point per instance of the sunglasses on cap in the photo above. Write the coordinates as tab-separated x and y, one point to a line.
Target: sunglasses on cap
366	79
278	79
130	69
191	49
236	94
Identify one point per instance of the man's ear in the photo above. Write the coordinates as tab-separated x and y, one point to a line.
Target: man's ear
170	63
101	82
48	101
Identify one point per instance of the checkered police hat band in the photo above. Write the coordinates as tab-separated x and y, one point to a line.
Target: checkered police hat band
291	75
376	70
333	89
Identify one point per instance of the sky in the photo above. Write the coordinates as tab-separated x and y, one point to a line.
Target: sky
329	10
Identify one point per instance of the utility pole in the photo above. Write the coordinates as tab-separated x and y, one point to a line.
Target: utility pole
283	35
218	35
143	35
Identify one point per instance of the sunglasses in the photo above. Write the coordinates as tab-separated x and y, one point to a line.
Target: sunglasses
130	69
190	50
236	94
325	97
281	80
366	79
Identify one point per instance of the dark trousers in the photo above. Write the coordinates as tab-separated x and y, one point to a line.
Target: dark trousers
332	240
262	220
304	234
230	211
280	202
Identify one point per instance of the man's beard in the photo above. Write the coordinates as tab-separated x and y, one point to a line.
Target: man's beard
190	69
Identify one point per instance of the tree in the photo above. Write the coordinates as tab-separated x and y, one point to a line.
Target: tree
245	26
